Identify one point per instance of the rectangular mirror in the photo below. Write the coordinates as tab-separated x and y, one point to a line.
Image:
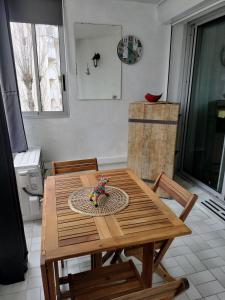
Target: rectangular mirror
98	67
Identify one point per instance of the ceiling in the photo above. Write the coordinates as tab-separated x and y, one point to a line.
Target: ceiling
146	1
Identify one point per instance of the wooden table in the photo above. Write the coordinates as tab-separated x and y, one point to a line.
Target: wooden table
66	234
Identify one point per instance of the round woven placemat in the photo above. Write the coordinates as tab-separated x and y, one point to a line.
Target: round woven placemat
117	200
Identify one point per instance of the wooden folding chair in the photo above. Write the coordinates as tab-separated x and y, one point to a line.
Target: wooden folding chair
165	291
62	167
120	282
105	283
187	200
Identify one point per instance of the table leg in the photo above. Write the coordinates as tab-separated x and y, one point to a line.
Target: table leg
96	260
148	264
56	266
51	280
45	280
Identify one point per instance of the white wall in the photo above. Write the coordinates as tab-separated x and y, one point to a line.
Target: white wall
99	127
104	81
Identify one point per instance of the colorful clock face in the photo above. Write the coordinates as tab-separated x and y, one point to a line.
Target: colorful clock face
129	49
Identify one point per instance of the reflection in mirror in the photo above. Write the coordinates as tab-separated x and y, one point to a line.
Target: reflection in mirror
98	67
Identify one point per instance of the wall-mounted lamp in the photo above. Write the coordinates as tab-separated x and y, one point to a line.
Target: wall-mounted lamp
96	59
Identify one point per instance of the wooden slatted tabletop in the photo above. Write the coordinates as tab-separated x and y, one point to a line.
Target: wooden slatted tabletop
67	234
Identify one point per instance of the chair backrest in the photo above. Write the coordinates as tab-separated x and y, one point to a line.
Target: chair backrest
62	167
177	192
185	198
164	291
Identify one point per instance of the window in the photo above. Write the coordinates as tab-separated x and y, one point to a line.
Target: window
40	65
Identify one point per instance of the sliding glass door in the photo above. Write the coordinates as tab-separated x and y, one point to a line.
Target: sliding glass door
203	153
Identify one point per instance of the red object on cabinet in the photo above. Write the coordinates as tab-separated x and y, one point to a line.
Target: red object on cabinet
152	98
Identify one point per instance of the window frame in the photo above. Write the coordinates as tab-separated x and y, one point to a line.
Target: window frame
65	109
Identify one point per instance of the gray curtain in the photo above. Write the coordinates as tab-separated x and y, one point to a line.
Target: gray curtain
8	85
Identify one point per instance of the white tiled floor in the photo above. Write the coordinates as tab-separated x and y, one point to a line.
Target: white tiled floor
199	257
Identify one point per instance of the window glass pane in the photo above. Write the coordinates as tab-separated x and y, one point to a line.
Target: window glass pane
49	67
24	61
205	137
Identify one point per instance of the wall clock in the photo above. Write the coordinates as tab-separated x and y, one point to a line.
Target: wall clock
129	49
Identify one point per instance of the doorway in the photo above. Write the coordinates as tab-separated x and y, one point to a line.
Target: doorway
204	138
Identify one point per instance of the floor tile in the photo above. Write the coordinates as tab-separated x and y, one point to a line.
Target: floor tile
84	258
65	271
28	242
33	294
216	242
42	295
210	235
201	228
221	296
205	254
212	298
36	240
34	282
36	229
35	247
196	244
28	232
185	264
210	288
214	262
34	272
177	242
170	262
13	288
220	251
195	262
183	296
176	271
36	244
193	293
85	266
221	233
211	221
34	259
201	277
180	250
156	278
14	296
219	274
218	226
73	266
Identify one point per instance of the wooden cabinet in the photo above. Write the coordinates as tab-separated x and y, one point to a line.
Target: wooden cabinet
152	138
